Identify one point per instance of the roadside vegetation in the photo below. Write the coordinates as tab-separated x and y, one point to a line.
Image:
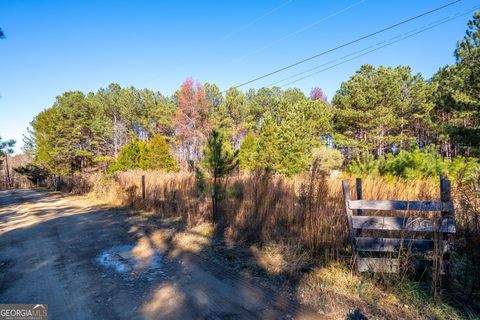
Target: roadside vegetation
262	169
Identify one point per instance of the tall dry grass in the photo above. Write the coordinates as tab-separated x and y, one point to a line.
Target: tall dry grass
306	210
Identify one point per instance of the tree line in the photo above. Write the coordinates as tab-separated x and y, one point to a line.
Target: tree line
379	111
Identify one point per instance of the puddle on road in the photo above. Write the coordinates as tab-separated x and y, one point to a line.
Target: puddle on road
127	258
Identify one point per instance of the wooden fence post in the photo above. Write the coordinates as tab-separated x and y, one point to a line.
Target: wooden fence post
143	187
57	183
359	194
358	189
446	196
346	195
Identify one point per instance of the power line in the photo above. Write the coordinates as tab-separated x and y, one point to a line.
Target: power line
381	47
303	29
248	25
378	46
346	44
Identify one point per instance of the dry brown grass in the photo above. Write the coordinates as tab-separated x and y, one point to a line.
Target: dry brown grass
305	213
337	291
290	223
280	259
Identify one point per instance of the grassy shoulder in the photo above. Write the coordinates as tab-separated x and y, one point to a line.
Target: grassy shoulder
275	204
332	289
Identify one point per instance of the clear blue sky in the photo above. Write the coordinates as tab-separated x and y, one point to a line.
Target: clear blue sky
57	46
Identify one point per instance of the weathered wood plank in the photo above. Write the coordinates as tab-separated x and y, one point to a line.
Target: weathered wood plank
391	265
384	265
346	195
400	205
394	245
416	224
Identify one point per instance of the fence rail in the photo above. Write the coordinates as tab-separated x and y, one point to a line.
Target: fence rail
413	224
392	205
437	232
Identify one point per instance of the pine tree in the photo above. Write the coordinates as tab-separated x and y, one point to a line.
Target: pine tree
305	124
64	135
43	139
220	159
381	109
457	98
268	148
471	41
248	153
230	116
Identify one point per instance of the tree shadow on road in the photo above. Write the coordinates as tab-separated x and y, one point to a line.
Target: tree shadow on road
50	254
219	281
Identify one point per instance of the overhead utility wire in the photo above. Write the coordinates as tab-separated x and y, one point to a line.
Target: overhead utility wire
248	25
388	42
346	44
303	29
349	55
376	49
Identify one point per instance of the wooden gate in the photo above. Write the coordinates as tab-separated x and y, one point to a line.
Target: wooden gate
382	244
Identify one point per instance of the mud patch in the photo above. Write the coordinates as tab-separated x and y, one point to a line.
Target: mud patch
126	259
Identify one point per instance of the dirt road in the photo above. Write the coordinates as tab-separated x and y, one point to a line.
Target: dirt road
51	250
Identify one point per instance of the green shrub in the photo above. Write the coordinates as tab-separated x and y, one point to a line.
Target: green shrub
158	155
130	157
327	159
465	170
154	155
367	165
415	164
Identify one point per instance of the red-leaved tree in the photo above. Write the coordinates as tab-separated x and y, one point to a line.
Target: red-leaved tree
191	121
317	94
